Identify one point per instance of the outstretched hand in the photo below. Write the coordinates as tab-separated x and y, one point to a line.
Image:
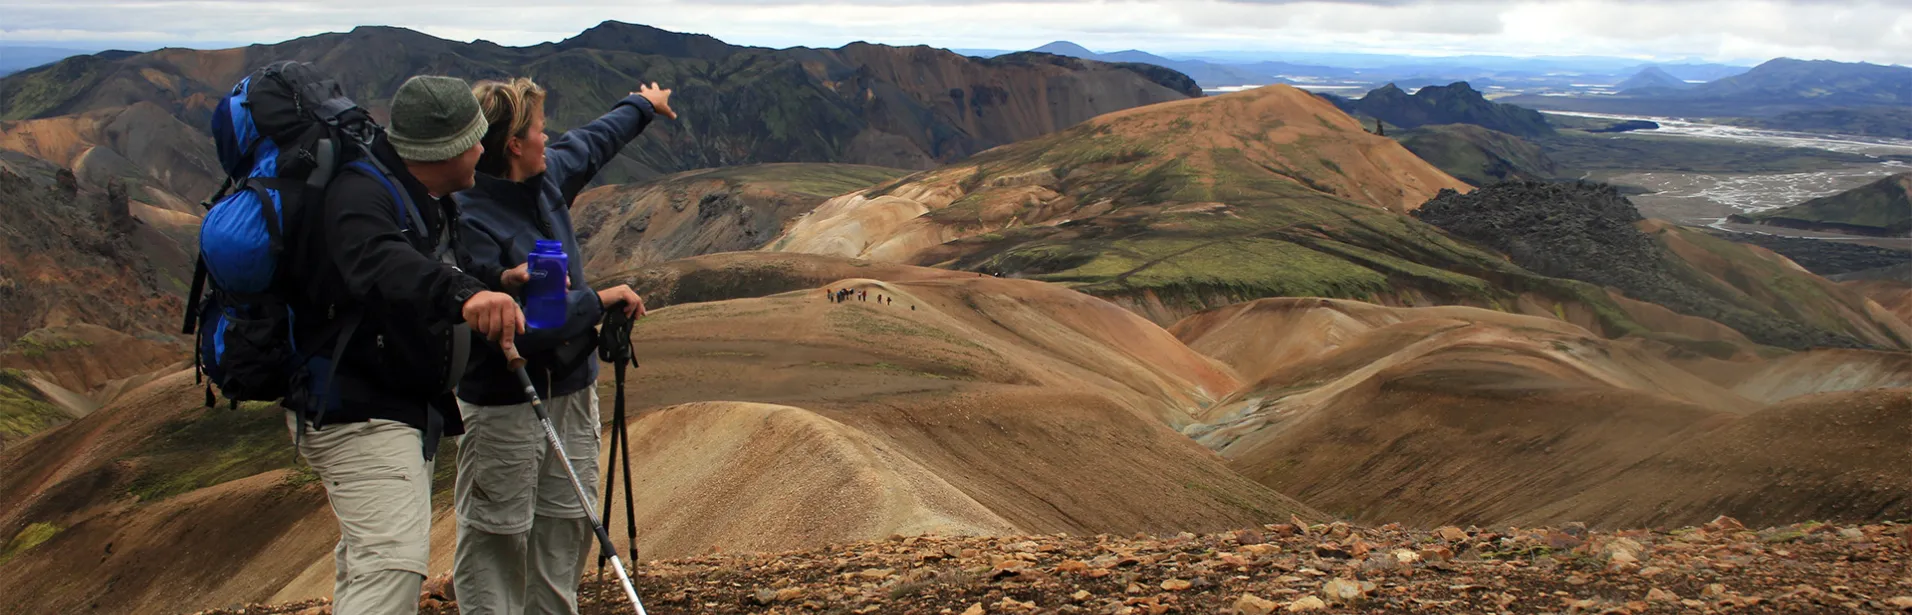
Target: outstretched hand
660	99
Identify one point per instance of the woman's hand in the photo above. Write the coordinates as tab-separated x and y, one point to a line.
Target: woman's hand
660	99
624	298
515	278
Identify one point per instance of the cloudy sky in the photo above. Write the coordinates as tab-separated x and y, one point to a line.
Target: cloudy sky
1718	30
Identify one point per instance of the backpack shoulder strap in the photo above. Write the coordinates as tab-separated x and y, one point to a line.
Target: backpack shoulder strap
371	167
461	333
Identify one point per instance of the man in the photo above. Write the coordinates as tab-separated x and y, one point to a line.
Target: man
370	423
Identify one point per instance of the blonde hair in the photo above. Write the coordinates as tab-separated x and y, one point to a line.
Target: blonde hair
509	107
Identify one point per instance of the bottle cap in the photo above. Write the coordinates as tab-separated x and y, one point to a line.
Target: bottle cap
550	245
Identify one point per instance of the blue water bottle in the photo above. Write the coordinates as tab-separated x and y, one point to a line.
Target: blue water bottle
544	305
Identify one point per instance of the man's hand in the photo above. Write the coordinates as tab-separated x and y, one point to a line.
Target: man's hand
496	316
514	279
632	304
660	99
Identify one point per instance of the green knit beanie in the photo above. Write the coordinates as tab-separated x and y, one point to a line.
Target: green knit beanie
435	118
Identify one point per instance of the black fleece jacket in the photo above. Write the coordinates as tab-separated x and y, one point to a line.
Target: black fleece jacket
357	256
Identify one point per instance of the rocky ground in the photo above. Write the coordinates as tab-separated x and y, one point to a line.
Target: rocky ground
1827	258
1722	567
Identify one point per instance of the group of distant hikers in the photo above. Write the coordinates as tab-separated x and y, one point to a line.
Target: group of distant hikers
394	257
842	295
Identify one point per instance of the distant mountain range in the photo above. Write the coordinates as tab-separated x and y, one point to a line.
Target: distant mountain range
907	107
15	59
1773	88
1208	74
1885	121
1236	68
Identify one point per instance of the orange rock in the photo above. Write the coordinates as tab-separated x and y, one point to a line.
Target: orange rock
1175	585
1724	523
1249	604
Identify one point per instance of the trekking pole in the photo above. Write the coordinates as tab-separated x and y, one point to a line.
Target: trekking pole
516	362
614	347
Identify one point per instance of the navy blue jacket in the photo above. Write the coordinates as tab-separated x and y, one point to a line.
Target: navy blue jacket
502	222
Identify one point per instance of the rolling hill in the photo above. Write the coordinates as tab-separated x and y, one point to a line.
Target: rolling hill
1881	209
712	210
1429	416
1590	233
1479	156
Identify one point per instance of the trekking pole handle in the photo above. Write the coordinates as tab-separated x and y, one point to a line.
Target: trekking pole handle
513	360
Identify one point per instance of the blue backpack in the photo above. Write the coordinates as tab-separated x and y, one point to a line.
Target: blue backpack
283	133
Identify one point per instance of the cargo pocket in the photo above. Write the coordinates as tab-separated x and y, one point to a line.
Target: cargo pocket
496	482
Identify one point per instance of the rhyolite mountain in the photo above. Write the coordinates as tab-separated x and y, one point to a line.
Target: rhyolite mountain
1456	103
910	107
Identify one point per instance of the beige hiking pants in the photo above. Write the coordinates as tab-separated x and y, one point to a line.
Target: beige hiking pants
380	488
522	536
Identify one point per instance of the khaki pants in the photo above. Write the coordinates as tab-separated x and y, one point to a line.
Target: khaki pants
522	535
380	489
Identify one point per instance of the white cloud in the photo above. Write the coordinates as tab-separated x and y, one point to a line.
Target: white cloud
1868	30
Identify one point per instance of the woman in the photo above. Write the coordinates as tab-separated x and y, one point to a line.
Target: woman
522	532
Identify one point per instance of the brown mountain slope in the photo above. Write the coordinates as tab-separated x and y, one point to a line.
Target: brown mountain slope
1893	295
1459	415
1589	232
739	275
1824	371
862	103
1437	415
1762	280
88	295
142	144
1832	456
994	406
711	210
1050	410
146	484
75	255
1175	207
